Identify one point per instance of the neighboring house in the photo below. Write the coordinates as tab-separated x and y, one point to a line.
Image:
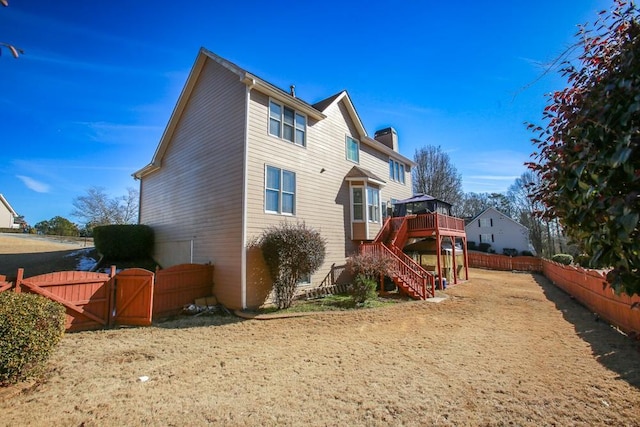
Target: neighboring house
497	229
240	155
7	214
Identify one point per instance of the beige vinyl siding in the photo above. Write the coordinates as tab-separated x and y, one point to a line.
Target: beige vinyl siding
322	197
195	198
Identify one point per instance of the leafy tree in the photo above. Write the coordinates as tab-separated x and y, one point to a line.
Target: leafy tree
57	226
291	251
589	158
96	208
436	176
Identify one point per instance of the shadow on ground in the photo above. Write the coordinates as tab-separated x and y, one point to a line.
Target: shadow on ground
616	351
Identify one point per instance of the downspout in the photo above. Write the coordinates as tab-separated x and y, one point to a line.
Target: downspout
243	254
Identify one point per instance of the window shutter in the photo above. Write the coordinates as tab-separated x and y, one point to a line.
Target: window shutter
480	235
492	239
479	223
491	222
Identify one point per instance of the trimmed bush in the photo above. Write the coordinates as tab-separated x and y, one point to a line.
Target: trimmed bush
565	259
484	247
124	242
471	246
30	328
291	251
367	269
527	253
510	252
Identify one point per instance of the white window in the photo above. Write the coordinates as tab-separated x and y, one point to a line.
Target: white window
288	124
357	197
373	204
396	171
485	222
280	191
304	280
486	238
365	204
353	150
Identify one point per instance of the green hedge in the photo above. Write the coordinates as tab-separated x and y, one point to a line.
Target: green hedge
124	242
30	328
565	259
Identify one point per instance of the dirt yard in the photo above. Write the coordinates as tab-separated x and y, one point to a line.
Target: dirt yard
501	349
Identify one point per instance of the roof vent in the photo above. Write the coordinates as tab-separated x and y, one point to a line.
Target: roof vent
292	90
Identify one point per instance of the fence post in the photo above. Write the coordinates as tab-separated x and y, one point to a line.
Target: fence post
19	280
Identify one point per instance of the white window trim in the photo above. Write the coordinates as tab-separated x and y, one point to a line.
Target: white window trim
364	204
346	149
401	168
295	124
280	191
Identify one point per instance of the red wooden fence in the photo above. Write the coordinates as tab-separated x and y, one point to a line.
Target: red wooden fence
503	262
4	285
180	285
131	297
591	289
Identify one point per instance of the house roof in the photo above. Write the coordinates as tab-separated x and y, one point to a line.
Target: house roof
7	205
358	173
496	211
315	111
419	198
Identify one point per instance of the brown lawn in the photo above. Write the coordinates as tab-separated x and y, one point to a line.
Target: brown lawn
502	349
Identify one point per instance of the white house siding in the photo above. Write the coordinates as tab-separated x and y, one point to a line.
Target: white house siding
6	217
506	232
322	194
194	200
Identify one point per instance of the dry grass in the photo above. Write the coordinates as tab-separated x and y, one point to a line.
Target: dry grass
501	349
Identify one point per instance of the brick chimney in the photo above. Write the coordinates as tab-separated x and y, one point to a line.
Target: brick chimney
387	136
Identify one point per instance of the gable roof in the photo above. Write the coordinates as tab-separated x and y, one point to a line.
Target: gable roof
357	173
7	205
498	212
315	111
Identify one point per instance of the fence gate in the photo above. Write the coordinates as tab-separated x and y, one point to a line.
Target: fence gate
133	299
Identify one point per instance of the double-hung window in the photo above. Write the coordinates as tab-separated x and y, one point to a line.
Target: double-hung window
357	195
280	191
485	222
373	204
365	202
396	171
287	123
353	150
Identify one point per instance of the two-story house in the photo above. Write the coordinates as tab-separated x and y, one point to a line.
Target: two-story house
496	229
239	155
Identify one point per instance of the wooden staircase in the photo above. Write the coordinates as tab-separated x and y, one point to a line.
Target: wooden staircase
408	275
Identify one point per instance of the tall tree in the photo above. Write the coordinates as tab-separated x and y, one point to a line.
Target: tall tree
525	207
97	208
435	175
589	158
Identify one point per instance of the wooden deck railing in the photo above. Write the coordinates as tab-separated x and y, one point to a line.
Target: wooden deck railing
413	279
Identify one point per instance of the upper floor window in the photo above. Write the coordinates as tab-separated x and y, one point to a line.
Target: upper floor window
353	150
280	191
396	171
286	123
485	222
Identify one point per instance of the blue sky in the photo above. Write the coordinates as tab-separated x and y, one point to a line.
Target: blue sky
88	101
